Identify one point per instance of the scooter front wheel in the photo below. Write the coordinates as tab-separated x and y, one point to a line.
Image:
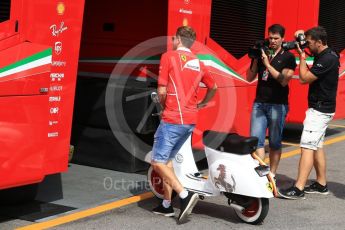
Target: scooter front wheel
256	212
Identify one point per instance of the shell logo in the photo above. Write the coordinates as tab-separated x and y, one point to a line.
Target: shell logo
60	8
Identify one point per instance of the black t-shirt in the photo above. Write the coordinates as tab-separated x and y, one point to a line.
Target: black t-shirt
269	90
323	91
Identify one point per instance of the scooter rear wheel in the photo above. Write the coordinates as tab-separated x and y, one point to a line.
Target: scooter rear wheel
256	212
156	184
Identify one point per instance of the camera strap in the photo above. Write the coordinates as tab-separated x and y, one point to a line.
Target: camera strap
273	55
265	74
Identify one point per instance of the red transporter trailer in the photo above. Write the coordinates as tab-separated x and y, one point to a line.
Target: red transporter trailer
225	30
39	51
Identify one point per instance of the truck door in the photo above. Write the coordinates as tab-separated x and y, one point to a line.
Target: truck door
24	84
9	18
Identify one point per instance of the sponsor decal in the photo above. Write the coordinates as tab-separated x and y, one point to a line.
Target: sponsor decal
58	48
54	98
54	110
193	65
56	88
51	123
184	11
59	63
60	8
56	31
57	76
269	186
53	134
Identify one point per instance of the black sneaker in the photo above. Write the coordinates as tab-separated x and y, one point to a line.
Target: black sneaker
292	193
160	210
187	205
316	187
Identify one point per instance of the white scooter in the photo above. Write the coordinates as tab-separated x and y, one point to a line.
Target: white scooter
234	170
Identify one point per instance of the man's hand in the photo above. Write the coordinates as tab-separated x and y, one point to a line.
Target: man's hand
209	95
162	94
298	48
300	51
264	58
298	32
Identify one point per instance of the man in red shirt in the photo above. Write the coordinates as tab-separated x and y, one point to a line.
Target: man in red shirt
178	84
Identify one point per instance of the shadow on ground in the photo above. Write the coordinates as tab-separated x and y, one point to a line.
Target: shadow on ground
203	207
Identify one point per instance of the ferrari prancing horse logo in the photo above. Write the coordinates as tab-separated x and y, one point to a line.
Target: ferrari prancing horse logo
220	180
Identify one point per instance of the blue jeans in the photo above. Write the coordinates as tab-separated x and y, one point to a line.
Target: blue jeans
168	140
271	116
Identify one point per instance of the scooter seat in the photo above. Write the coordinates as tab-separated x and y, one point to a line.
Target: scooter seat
230	142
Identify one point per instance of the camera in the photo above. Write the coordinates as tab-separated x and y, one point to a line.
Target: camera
255	52
300	39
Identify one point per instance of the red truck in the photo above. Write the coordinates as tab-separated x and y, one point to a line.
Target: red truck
56	59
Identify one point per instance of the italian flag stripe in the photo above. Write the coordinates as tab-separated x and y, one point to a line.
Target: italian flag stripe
36	60
207	59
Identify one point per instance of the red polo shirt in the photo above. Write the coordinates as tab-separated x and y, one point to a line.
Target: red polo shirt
181	72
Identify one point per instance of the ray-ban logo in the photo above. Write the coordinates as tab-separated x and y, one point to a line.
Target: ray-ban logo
56	31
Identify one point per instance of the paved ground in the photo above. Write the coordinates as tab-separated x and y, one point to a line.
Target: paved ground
85	187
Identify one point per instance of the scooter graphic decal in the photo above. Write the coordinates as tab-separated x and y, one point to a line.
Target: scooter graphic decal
179	158
220	181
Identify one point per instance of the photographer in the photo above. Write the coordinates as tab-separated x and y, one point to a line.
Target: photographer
274	70
323	79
